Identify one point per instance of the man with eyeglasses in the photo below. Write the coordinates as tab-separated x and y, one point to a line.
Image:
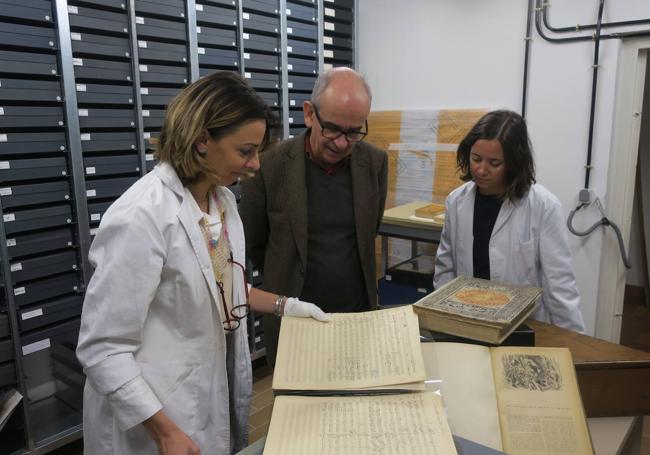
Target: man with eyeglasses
312	211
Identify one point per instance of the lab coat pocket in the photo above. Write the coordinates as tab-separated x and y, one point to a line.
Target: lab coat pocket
524	262
175	385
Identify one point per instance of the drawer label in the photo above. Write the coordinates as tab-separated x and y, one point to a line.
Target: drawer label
90	170
5	165
3	138
16	267
11	242
329	26
330	12
74	36
78	61
142	44
19	291
8	217
91	193
85	137
144	68
5	192
35	347
83	112
73	9
327	40
139	20
32	314
95	216
81	87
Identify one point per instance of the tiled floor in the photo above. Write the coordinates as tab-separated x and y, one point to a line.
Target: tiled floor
262	403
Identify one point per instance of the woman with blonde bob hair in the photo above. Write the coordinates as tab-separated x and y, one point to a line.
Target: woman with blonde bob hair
163	337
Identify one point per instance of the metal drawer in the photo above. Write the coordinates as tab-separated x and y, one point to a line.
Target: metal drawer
256	22
27	36
262	80
65	333
41	242
27	220
299	65
108	188
216	36
304	48
331	12
106	118
95	19
96	211
261	62
36	193
270	98
32	169
170	8
28	143
304	83
215	15
302	30
33	317
157	96
301	12
104	94
254	42
163	74
104	142
269	7
102	70
153	118
35	10
165	52
29	63
210	56
26	90
148	28
43	266
109	46
30	116
111	165
336	41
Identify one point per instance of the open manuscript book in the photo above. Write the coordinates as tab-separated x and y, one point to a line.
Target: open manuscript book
373	362
521	400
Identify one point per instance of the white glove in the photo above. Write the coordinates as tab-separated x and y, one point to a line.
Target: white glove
300	309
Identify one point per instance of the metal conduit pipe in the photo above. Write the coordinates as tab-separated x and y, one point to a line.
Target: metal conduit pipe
540	12
579	27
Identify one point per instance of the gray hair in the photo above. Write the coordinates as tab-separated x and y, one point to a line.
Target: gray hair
326	77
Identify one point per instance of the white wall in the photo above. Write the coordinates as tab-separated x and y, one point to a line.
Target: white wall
420	54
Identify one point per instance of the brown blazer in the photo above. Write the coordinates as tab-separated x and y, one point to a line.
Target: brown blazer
273	209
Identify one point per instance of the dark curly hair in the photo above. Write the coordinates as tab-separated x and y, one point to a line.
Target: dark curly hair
509	128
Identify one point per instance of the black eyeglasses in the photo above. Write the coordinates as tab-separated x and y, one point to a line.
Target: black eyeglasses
332	131
238	312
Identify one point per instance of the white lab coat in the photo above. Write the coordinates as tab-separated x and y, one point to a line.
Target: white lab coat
528	246
151	336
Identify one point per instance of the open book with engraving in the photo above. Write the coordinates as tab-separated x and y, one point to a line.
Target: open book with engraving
478	309
520	400
355	385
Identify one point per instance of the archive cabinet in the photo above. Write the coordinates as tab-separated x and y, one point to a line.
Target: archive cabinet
84	85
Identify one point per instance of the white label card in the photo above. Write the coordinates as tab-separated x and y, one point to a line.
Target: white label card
95	216
3	138
38	346
16	267
2	111
73	9
201	50
91	193
11	242
78	61
5	192
246	16
328	53
327	39
74	36
90	170
145	113
83	112
81	87
144	90
85	137
246	36
199	7
289	30
8	217
31	314
142	44
247	75
139	20
329	26
330	12
5	165
19	291
144	68
148	157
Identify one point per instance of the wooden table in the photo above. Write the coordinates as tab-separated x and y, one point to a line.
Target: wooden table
614	380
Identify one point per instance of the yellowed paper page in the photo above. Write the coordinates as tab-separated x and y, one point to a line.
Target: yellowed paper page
539	402
405	424
467	390
352	351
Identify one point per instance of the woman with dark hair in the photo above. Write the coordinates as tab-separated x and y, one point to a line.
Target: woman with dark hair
163	338
502	226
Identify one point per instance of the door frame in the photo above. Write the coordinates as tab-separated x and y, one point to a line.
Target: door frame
621	178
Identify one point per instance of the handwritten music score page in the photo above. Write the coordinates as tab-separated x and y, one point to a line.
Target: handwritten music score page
352	351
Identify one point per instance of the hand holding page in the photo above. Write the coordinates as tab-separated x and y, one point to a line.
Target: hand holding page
352	351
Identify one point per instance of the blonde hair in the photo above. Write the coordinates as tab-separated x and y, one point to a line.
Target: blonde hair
218	104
